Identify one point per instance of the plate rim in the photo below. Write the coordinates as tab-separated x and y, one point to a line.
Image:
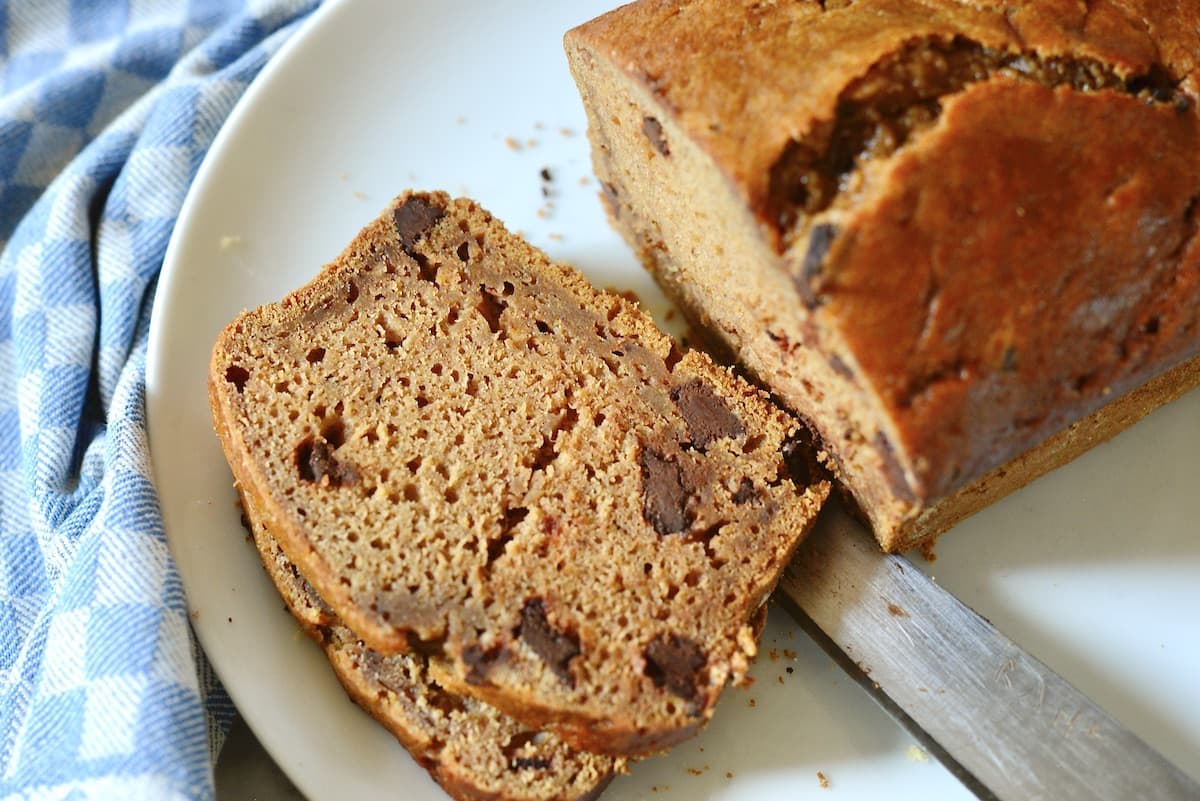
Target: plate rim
170	276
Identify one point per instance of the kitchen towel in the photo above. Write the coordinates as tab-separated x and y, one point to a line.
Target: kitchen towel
107	108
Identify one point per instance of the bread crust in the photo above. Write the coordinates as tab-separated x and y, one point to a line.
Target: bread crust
742	78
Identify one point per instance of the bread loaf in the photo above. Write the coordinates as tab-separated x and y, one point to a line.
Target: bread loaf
474	455
953	236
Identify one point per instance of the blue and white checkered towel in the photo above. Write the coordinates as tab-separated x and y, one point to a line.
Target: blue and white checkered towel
106	109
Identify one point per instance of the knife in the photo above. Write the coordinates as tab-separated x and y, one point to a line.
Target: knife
1003	723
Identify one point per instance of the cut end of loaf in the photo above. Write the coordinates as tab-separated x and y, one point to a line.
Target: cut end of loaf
923	249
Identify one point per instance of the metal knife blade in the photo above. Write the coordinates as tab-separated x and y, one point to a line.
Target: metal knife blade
1001	721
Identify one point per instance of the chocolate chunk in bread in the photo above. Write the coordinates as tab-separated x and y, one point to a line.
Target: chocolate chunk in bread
707	417
964	250
676	663
556	648
664	498
520	475
414	220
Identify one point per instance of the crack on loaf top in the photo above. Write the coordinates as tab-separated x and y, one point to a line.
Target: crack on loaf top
901	96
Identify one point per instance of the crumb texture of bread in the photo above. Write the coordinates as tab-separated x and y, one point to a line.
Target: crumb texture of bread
472	453
475	752
940	231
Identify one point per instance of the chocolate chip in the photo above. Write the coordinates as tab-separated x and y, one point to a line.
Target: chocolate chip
480	662
317	465
820	240
664	498
556	648
799	453
652	128
1183	104
745	492
675	662
547	176
708	418
892	468
414	220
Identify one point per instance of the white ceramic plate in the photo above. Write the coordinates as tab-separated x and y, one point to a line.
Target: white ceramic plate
1095	569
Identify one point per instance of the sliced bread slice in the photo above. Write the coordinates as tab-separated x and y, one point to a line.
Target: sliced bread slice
470	451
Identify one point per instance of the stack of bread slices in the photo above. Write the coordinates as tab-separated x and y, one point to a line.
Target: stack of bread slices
534	537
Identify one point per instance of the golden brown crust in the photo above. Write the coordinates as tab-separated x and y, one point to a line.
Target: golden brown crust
901	217
742	77
467	449
1068	282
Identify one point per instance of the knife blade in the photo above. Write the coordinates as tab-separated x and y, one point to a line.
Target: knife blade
1001	721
